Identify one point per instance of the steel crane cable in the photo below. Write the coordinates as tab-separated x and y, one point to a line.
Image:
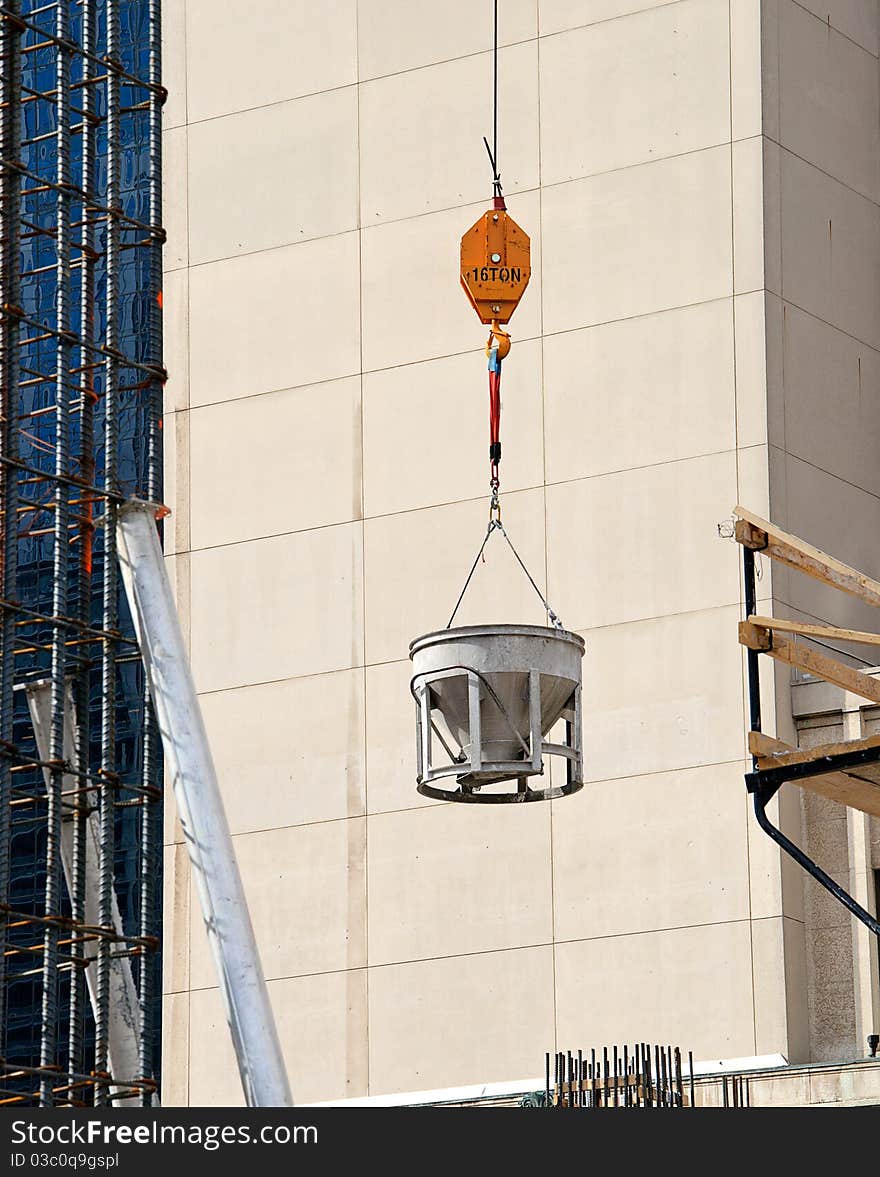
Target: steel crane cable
497	525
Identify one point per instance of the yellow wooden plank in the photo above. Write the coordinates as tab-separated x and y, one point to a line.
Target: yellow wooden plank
765	747
807	629
842	787
757	637
758	533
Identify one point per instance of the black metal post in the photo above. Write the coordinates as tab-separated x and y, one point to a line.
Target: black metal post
754	674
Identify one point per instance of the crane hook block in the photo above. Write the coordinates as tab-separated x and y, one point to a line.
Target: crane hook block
495	265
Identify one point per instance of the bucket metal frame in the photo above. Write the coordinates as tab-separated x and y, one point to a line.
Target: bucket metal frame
475	771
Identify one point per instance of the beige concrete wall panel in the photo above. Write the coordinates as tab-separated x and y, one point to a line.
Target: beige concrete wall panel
273	320
753	487
413	305
294	177
277	608
397	37
683	287
175	323
175	198
454	879
627	91
176	481
175	1050
770	37
832	410
416	563
291	752
748	215
774	316
296	452
797	1009
662	694
817	502
773	241
658	234
445	1023
322	1024
830	250
555	16
306	892
688	986
275	50
391	745
623	518
683	858
426	430
830	100
745	68
176	922
856	19
774	972
640	391
750	342
776	884
174	62
421	134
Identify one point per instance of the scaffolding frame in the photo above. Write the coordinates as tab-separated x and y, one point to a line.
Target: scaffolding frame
847	772
81	381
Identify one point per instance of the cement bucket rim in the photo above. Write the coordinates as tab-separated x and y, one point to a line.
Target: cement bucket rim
552	792
440	636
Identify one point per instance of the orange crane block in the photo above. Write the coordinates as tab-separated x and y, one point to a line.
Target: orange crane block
495	265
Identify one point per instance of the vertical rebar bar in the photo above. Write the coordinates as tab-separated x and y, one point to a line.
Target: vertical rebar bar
10	296
649	1074
55	783
109	571
150	774
626	1091
79	817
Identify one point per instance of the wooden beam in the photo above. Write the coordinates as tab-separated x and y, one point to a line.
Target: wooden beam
776	753
842	787
754	532
757	637
817	631
760	744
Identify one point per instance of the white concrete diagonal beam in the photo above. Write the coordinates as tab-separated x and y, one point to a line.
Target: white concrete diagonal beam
200	808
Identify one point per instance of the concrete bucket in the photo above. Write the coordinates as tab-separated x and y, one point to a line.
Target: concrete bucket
489	695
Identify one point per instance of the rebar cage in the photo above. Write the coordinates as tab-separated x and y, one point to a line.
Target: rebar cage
82	378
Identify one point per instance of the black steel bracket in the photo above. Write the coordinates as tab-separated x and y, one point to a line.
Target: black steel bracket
762	795
763	778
